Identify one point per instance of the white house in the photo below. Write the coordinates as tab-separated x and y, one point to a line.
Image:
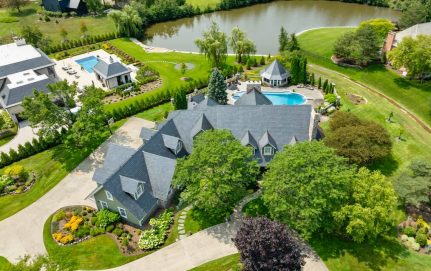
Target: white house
275	75
23	68
112	73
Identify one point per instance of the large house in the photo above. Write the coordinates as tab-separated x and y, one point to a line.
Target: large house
78	6
394	38
135	183
23	68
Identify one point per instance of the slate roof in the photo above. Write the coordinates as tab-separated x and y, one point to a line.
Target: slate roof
275	71
266	140
171	142
29	64
253	97
248	139
17	94
109	70
202	124
130	185
146	133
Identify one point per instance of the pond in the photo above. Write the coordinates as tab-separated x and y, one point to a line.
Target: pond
262	22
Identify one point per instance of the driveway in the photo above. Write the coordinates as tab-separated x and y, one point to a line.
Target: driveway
21	233
25	134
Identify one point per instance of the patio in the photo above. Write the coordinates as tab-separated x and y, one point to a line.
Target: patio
68	69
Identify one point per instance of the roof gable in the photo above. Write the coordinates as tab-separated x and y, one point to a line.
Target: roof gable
266	140
202	124
160	171
110	69
248	139
253	97
275	71
130	185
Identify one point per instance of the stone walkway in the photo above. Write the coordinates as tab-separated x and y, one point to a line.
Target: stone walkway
21	233
181	221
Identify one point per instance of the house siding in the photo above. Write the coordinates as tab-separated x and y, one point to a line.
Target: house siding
113	206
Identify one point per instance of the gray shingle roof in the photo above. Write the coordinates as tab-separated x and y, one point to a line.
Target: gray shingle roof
17	95
248	139
293	141
275	71
29	64
109	70
160	171
266	140
171	142
130	185
73	4
146	133
414	31
253	97
116	156
202	124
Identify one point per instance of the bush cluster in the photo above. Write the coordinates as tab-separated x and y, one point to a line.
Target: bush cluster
155	237
80	42
416	234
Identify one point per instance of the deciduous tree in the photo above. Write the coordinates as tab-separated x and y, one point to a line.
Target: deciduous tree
15	4
380	26
414	185
266	245
217	87
215	176
33	36
240	44
127	21
213	45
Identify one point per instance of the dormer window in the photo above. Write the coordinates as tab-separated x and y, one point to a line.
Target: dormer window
179	147
109	195
268	150
252	149
139	191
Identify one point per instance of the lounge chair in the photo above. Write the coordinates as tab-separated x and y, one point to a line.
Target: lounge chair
71	72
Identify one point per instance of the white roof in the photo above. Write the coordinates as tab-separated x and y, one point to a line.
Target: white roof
23	78
12	53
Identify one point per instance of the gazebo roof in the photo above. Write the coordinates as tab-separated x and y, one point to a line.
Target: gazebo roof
275	71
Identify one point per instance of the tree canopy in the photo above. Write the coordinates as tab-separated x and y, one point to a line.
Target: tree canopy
304	184
15	4
217	87
127	21
414	55
215	176
414	12
381	26
362	142
33	36
213	45
267	245
240	44
414	185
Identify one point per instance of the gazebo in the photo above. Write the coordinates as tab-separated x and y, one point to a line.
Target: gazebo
275	75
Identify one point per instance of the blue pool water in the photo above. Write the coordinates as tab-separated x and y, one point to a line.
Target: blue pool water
88	63
281	98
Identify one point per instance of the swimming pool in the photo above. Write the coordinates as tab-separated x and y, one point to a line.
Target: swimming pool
88	63
280	98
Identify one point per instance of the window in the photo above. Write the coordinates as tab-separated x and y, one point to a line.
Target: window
252	149
179	147
122	212
139	191
268	150
109	195
103	204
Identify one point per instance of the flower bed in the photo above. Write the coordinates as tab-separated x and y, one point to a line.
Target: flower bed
72	225
16	180
416	234
156	236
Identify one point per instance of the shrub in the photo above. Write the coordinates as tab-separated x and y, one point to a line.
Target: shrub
59	216
96	231
5	181
66	239
106	217
93	220
156	236
117	231
331	98
409	231
73	223
13	155
421	239
82	232
404	238
15	171
109	228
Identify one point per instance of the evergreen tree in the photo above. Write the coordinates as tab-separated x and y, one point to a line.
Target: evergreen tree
180	100
5	159
29	148
269	56
319	83
292	44
217	87
262	61
325	86
283	40
22	152
303	70
14	156
312	79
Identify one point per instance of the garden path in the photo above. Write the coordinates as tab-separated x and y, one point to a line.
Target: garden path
25	134
21	233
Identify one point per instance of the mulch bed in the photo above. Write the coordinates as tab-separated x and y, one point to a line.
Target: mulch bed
143	89
356	99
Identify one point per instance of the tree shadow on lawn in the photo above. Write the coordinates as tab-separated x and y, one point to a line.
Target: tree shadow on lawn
386	166
376	255
26	11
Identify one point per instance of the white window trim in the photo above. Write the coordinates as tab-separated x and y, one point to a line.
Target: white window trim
137	195
104	204
109	195
266	148
179	147
119	211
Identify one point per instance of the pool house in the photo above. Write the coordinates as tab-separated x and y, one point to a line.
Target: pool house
111	73
275	75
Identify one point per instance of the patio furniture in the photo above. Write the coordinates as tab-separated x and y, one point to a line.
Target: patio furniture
71	72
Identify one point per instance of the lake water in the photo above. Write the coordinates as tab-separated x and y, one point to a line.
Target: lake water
262	22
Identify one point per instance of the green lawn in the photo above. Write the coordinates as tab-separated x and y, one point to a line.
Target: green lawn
29	16
156	113
8	135
4	264
195	223
318	44
228	263
164	64
203	3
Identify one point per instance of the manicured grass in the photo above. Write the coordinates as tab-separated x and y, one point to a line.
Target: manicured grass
203	3
50	166
416	97
228	263
4	264
8	135
157	113
164	64
29	16
195	223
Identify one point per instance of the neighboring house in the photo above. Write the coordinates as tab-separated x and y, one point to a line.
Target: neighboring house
77	6
396	37
112	73
23	68
275	75
135	183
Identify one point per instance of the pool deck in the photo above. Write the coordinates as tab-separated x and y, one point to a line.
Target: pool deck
82	77
313	96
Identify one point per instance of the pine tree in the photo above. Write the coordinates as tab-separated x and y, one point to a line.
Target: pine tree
5	159
319	83
179	100
303	70
269	56
13	155
283	40
22	152
262	61
254	62
325	86
29	148
249	63
217	87
312	79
